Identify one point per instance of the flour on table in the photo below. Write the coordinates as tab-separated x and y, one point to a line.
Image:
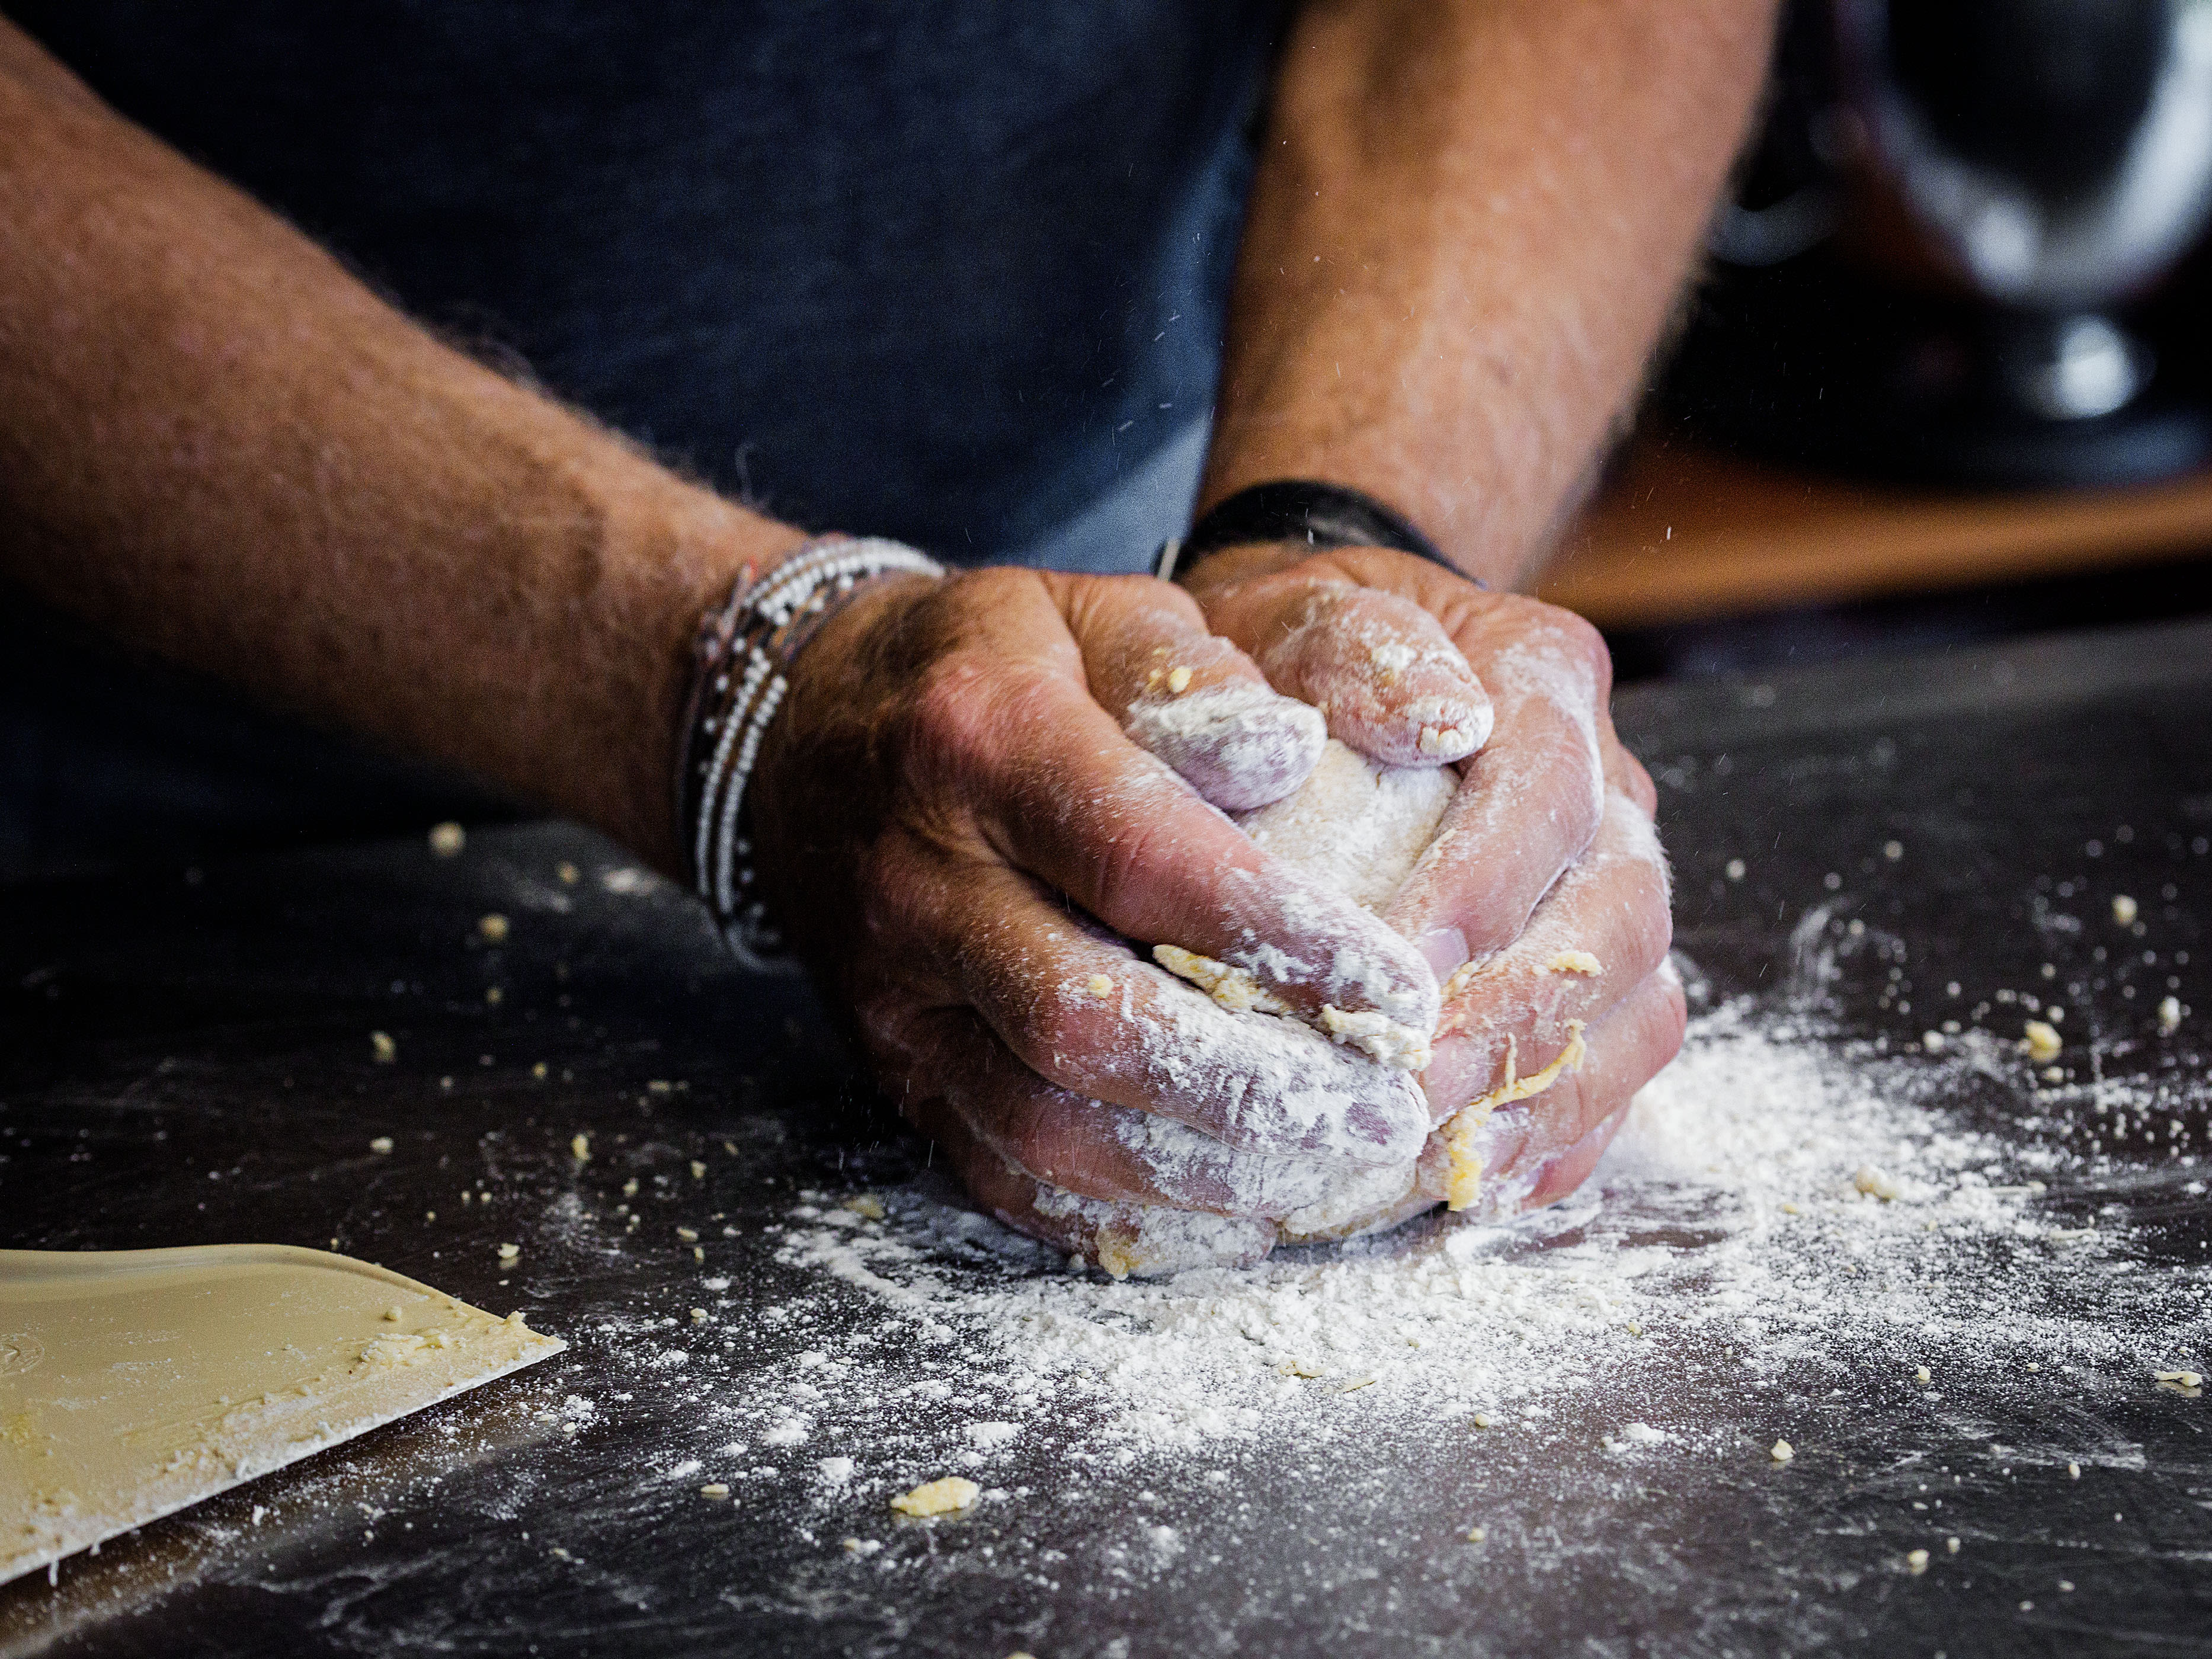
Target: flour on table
1730	1213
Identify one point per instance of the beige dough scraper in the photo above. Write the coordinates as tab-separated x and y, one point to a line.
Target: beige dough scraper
134	1383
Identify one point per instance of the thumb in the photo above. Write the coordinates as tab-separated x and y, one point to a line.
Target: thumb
1196	701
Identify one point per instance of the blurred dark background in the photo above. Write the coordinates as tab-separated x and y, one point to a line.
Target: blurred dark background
1946	379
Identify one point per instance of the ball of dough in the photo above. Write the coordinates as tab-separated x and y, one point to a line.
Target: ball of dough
1357	824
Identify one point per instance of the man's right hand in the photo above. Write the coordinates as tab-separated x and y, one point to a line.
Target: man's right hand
958	833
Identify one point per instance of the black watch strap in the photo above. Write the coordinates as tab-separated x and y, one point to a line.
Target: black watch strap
1321	515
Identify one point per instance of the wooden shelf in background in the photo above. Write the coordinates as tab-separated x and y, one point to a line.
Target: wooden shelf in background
1682	533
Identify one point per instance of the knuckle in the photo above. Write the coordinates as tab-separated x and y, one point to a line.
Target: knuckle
973	719
897	897
1130	864
1580	638
1570	632
1648	919
951	705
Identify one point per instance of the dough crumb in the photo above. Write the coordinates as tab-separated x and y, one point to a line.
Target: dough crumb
1915	1562
1781	1451
1575	961
698	1169
1476	1534
568	873
492	927
2042	1042
1178	681
383	1050
381	1144
2073	1471
1234	988
2125	910
1381	1038
2169	1016
1100	986
579	1148
1874	1184
2183	1381
1465	1182
715	1490
1116	1258
943	1497
1384	1040
1922	1375
866	1205
1460	1135
447	839
509	1252
1951	1546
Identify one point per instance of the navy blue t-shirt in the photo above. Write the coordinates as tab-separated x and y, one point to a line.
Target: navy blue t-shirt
938	270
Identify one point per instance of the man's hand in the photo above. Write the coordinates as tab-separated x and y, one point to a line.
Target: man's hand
1469	223
961	836
1541	905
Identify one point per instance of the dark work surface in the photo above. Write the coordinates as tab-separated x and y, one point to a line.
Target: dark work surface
1914	624
184	1059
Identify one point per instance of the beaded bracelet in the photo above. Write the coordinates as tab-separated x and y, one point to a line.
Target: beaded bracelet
745	654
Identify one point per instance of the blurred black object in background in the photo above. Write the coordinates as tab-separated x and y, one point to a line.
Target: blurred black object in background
1952	257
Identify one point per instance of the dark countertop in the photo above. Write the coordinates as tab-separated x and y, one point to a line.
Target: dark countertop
184	1058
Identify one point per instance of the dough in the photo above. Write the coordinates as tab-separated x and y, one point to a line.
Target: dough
1356	824
1359	827
938	1497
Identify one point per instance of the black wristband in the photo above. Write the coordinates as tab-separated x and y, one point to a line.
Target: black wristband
1321	515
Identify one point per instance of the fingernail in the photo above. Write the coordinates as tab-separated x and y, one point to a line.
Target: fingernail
1448	729
1444	949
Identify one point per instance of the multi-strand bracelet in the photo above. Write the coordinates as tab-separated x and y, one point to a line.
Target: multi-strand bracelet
744	656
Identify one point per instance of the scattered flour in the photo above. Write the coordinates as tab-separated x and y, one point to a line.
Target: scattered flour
1731	1211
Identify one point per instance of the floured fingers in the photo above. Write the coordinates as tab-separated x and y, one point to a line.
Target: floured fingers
1535	1152
1527	804
1598	936
950	1060
1189	697
1389	678
1125	1240
1086	1014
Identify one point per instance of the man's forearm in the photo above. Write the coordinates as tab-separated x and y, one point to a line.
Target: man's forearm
217	443
1469	225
